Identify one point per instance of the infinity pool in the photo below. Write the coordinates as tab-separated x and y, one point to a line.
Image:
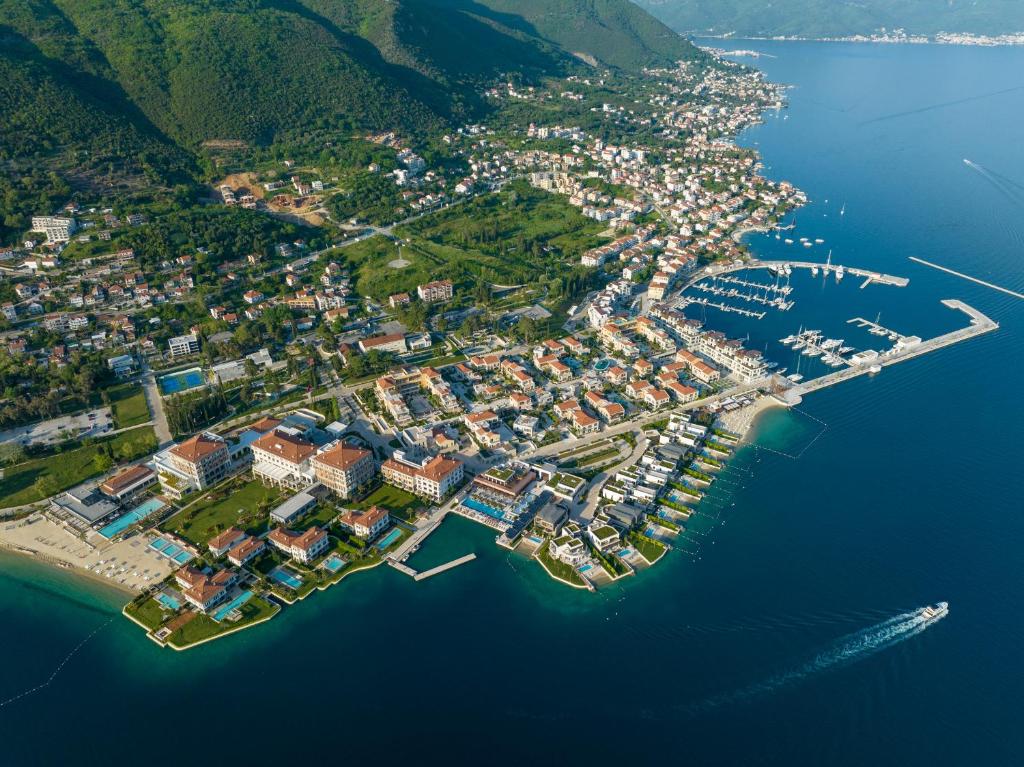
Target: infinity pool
137	514
237	602
390	538
483	508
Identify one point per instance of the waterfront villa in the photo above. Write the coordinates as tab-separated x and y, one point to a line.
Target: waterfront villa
568	549
204	590
304	547
367	524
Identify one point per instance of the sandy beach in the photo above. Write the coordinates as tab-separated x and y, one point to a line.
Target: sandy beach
127	565
741	421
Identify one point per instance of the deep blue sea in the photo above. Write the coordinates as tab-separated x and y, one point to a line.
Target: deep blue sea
772	634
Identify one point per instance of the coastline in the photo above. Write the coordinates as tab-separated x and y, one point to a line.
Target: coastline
964	40
38	538
52	565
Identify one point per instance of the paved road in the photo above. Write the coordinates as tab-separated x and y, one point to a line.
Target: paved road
156	406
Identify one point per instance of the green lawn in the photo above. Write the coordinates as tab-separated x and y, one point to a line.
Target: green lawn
42	477
557	568
242	503
148	613
203	627
395	500
516	236
649	549
128	402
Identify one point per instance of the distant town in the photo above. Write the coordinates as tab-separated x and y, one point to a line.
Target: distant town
503	339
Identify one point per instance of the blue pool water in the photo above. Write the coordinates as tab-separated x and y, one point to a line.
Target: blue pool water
602	365
172	551
137	514
286	578
585	568
388	539
483	508
334	563
625	553
168	601
183	557
183	381
158	544
238	601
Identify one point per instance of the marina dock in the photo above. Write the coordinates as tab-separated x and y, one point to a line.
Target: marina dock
980	324
755	263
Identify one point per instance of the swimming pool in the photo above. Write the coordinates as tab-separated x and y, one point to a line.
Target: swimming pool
625	553
234	604
334	563
286	578
388	539
183	558
483	508
137	514
168	601
157	544
602	365
181	381
584	568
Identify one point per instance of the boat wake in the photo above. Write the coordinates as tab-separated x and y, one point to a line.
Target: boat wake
847	650
1007	187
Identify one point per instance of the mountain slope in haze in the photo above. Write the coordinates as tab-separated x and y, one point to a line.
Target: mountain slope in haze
111	93
837	18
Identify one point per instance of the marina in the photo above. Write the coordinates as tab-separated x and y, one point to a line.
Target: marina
979	325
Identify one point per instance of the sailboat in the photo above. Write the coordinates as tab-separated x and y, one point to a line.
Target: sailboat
843	211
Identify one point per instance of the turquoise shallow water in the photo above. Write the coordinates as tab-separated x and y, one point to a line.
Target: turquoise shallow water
758	641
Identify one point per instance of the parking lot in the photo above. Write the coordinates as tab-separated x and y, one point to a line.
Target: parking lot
90	424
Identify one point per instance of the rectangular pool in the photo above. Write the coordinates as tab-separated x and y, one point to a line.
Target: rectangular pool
168	601
334	563
483	508
286	578
235	603
182	381
390	538
584	568
137	514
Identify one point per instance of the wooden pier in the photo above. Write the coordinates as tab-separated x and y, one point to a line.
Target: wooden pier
442	568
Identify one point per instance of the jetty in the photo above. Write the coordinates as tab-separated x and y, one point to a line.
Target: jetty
416	575
968	277
980	324
442	568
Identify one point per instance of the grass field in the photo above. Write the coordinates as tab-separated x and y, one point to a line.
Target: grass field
244	504
41	477
203	627
128	403
394	499
515	236
557	568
